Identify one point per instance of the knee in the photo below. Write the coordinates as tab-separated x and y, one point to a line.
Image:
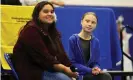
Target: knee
106	76
62	76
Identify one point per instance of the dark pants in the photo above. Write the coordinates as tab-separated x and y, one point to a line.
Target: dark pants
102	76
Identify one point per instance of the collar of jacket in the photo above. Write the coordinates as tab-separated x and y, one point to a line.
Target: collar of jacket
33	24
92	36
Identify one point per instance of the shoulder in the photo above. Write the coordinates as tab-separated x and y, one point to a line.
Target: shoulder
95	39
73	37
29	27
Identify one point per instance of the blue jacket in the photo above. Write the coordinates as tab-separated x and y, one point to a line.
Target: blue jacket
76	54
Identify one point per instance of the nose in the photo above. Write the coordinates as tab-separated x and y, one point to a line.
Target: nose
90	23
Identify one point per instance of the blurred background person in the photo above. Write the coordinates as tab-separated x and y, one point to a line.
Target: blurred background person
34	2
127	63
10	2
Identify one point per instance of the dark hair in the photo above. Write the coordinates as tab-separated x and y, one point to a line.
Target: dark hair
52	29
54	34
38	8
90	13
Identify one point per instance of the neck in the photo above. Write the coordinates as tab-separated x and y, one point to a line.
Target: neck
85	35
45	26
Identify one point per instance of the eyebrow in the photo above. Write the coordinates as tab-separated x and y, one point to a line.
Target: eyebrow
48	9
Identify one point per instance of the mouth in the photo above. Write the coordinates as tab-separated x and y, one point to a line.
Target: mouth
89	28
49	18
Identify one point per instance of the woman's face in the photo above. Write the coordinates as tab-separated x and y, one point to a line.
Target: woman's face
46	15
89	23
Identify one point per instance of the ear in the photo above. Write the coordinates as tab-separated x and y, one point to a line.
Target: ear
81	22
55	17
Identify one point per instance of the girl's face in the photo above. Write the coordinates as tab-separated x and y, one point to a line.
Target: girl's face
46	15
89	23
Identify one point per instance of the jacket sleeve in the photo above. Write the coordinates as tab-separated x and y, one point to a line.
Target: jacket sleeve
72	53
96	61
38	51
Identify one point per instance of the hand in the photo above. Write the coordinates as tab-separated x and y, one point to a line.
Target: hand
96	71
70	73
97	68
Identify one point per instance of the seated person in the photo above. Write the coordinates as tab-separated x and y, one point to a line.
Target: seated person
84	50
38	53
